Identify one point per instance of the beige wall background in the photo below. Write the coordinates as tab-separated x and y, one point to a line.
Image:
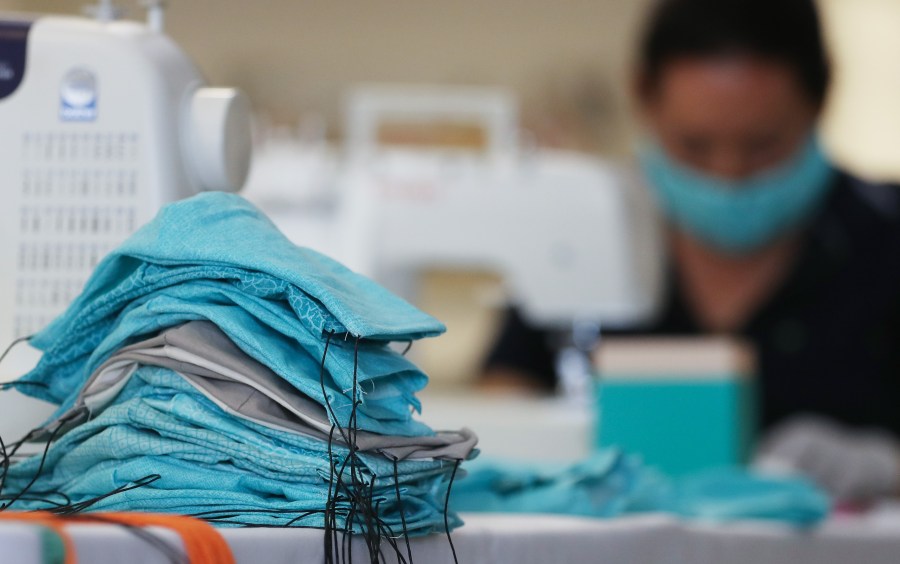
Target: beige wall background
297	57
862	125
568	61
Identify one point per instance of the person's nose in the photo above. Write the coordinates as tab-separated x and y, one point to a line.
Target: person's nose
730	164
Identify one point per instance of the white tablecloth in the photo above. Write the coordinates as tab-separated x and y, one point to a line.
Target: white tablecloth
649	539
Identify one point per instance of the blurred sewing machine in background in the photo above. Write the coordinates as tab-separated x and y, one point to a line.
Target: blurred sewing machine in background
439	180
104	121
436	178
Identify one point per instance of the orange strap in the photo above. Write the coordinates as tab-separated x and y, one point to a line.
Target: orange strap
47	520
202	543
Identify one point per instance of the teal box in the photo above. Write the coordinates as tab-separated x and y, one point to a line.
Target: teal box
680	421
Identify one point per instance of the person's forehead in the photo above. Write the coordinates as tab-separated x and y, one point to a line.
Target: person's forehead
729	93
722	75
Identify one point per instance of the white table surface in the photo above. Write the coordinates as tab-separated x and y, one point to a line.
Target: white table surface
524	539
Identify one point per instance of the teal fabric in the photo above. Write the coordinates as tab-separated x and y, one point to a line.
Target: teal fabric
708	422
607	484
730	494
739	216
387	382
218	232
611	483
53	547
216	258
209	460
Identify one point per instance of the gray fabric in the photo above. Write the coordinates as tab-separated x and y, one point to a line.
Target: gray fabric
240	385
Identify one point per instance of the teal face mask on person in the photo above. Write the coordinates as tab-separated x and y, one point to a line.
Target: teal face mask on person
739	216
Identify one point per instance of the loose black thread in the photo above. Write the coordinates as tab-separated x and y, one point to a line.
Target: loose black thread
88	503
9	385
354	504
8	452
13	344
60	424
402	511
351	503
447	509
356	498
66	507
4	464
69	509
52	504
351	486
7	456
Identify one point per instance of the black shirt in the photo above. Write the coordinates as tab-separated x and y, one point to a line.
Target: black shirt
827	340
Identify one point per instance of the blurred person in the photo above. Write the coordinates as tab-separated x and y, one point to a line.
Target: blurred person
768	240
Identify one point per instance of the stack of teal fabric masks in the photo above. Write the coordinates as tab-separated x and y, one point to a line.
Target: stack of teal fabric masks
611	483
235	376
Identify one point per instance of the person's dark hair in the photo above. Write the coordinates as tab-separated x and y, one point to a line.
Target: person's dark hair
784	31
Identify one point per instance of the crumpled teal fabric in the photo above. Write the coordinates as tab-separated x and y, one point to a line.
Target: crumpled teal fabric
611	483
219	232
607	484
242	387
209	460
216	257
387	382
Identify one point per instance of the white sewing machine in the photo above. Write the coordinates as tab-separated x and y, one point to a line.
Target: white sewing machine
437	179
572	235
103	122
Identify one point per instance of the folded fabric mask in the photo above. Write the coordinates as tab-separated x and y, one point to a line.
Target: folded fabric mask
241	386
386	382
219	232
218	237
209	460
